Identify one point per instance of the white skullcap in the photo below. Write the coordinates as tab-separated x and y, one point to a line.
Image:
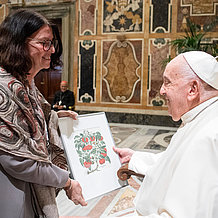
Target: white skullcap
204	65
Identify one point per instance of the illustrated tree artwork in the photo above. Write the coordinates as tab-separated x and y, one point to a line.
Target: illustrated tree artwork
91	150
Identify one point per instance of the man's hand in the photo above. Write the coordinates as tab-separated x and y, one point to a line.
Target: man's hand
60	107
125	154
74	193
68	113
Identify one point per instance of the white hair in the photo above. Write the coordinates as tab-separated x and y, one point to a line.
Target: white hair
188	75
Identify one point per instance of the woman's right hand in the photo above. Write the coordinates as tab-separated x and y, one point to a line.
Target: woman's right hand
125	154
74	192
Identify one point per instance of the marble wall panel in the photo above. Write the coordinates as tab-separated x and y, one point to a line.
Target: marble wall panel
87	19
122	16
159	50
160	18
2	12
122	70
87	75
37	2
16	1
200	12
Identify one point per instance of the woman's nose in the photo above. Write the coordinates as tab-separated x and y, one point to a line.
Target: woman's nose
52	49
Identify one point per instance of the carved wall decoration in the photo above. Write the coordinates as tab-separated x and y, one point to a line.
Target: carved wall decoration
201	7
2	12
39	1
122	16
16	1
86	75
201	12
158	50
122	72
3	2
161	13
87	17
34	2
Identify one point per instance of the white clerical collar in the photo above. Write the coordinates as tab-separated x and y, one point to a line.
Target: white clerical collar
190	115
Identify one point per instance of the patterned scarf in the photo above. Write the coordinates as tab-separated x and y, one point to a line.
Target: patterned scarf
23	112
22	122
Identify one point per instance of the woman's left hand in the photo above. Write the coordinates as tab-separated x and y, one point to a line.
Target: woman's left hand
74	193
69	113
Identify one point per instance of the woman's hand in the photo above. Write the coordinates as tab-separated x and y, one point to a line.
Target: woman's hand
69	113
125	154
74	192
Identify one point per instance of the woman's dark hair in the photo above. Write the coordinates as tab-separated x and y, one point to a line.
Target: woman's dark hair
14	30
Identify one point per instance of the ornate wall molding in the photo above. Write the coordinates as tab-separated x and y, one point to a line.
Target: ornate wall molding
122	16
121	72
86	86
201	7
161	14
87	17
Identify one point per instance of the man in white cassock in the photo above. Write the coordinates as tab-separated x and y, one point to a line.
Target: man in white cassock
182	182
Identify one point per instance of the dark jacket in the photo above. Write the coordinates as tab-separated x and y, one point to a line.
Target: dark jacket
64	98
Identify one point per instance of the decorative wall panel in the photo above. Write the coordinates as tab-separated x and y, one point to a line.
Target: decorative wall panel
16	1
2	11
86	74
38	2
87	21
201	7
160	16
158	51
201	12
122	16
121	77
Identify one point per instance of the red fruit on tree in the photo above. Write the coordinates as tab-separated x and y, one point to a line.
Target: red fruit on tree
87	164
102	161
92	138
104	154
84	148
85	140
89	147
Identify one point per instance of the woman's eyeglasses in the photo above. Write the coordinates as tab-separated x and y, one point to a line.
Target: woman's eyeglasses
46	43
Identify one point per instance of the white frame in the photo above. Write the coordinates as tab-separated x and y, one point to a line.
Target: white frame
99	178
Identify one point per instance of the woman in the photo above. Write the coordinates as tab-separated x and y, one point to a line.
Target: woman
28	178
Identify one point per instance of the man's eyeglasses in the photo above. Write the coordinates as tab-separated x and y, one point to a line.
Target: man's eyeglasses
46	43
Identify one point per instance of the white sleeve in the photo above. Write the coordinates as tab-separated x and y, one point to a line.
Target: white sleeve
162	215
141	161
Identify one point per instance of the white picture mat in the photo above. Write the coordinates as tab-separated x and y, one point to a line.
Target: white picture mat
98	182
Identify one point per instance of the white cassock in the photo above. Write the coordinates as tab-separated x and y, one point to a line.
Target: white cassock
182	182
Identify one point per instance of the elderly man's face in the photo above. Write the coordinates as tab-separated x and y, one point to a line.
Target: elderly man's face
63	86
175	90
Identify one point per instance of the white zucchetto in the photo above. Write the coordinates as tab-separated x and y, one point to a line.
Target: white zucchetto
204	65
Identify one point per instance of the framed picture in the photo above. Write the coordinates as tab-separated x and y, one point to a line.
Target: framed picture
88	146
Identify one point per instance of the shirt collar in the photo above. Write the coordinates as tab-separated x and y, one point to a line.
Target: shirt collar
190	115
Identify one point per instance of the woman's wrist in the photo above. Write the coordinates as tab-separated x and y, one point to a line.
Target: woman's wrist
68	185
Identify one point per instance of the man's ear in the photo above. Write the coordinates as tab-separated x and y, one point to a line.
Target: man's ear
194	90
